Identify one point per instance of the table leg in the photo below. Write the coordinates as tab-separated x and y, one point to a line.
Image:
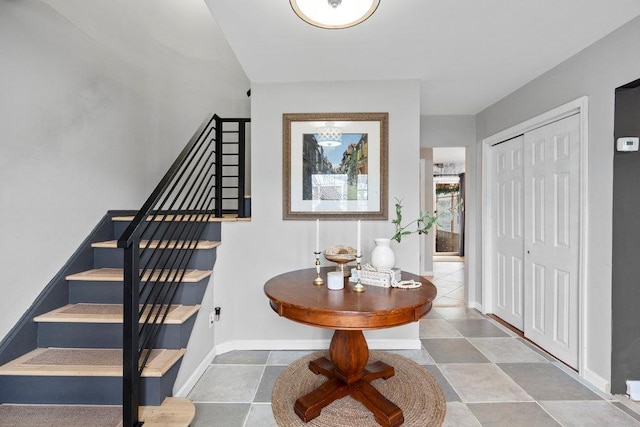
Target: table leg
349	374
309	406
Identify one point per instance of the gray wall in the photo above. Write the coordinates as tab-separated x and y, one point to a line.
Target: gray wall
625	363
595	72
267	246
94	105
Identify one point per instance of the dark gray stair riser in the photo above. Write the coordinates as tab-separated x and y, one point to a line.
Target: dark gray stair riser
201	259
99	292
211	230
107	335
97	390
82	390
23	338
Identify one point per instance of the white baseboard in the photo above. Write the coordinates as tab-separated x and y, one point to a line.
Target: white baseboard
196	374
374	344
597	381
476	305
273	345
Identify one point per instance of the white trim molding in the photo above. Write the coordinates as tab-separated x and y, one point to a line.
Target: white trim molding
595	379
196	374
578	106
374	344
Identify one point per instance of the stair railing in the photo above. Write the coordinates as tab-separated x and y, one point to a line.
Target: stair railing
205	181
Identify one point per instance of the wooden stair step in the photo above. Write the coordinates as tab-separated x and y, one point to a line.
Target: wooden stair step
185	218
87	362
173	412
110	313
60	415
165	244
117	275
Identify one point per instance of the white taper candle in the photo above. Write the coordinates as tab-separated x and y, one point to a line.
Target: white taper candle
317	235
358	247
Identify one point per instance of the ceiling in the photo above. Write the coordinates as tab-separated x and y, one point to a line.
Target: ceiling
467	54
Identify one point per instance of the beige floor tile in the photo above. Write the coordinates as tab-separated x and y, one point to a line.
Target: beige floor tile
454	313
448	302
459	415
506	350
456	276
437	328
483	382
260	415
457	293
588	413
444	285
227	383
285	357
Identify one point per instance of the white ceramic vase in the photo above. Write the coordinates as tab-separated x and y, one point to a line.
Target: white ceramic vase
382	255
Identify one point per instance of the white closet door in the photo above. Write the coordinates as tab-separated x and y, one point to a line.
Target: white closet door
551	237
508	231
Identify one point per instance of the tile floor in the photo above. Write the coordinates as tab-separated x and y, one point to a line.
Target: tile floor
490	377
449	280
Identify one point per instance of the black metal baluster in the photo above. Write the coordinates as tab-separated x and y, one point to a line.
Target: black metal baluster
177	211
130	352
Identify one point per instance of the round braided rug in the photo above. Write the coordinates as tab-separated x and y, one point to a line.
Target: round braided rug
412	388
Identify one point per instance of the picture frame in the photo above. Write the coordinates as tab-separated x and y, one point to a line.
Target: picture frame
335	166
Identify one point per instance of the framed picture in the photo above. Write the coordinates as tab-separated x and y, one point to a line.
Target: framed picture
335	165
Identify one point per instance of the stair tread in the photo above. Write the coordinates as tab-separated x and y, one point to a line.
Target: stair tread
127	218
173	412
109	313
89	362
117	275
59	415
170	244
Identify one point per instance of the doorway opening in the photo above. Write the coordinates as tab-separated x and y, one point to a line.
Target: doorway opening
448	247
449	194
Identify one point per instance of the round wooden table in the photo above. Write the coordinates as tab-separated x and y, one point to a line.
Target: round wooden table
294	296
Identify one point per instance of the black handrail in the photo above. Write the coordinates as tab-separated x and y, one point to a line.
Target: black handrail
163	236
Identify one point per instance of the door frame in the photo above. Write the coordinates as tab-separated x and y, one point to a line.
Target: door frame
578	106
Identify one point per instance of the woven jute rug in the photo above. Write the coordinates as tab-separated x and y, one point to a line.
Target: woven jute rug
81	356
412	388
59	416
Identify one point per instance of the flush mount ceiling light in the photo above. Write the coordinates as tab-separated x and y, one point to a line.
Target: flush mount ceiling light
329	135
334	14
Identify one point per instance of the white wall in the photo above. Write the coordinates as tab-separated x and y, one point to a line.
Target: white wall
427	242
595	72
456	131
267	246
94	106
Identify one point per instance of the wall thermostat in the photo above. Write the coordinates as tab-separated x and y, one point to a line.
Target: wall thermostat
628	143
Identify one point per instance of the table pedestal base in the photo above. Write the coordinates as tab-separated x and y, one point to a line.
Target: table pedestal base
353	379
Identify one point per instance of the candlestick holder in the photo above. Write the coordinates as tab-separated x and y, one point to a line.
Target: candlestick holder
318	280
359	287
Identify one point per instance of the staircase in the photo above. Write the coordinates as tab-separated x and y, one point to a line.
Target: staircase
78	360
103	343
